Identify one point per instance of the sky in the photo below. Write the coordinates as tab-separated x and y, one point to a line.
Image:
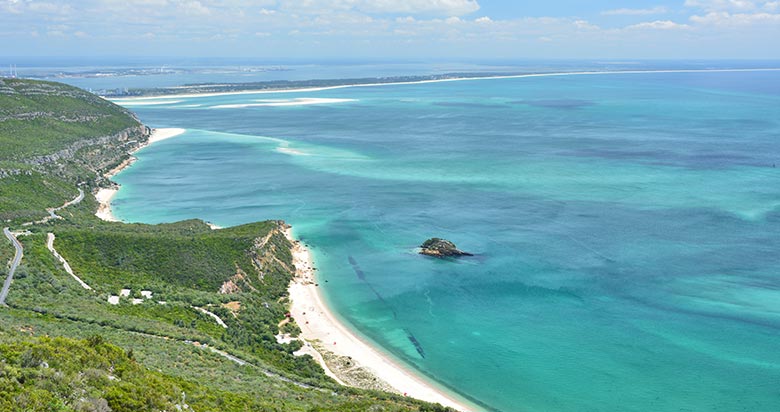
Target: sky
394	29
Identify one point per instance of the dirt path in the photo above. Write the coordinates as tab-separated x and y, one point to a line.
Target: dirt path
50	246
213	315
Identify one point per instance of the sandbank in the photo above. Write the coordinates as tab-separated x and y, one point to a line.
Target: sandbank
318	324
304	101
162	134
104	195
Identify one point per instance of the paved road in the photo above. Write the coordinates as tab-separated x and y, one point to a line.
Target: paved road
14	264
51	211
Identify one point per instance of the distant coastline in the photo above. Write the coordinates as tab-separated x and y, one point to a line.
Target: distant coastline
225	89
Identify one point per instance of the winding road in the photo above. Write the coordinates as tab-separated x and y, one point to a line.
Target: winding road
76	200
20	251
52	210
14	264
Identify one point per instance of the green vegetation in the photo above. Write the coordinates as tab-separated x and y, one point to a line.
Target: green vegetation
57	339
48	374
119	258
63	374
40	118
27	196
53	137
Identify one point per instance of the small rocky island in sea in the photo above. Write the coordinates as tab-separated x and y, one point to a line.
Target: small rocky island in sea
441	248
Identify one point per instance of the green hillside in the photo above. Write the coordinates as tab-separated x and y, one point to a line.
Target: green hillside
145	335
40	118
53	137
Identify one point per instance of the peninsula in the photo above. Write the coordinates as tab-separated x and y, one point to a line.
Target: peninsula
286	85
138	317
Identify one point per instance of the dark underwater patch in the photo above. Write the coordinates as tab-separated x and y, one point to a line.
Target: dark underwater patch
556	103
468	105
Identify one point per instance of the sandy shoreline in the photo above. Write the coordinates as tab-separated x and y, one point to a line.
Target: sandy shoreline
318	324
118	100
104	195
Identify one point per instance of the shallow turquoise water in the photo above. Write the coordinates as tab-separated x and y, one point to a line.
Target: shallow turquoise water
625	226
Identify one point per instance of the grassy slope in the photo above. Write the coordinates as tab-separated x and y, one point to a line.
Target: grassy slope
41	118
26	197
183	264
44	117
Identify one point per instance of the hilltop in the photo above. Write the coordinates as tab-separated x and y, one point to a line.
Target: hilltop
134	317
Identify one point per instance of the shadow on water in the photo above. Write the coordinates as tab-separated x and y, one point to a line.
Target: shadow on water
415	342
556	103
362	276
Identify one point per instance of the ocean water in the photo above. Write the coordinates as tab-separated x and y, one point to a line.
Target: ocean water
625	227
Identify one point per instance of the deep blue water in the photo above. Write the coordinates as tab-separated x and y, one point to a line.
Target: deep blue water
625	226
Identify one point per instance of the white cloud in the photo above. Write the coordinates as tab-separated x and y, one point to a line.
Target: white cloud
443	7
195	8
636	12
724	28
453	20
45	7
412	7
659	25
718	5
585	25
737	19
772	6
42	7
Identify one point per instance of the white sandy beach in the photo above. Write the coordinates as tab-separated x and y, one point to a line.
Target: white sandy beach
318	323
104	195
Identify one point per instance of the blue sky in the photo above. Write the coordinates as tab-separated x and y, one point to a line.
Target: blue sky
391	29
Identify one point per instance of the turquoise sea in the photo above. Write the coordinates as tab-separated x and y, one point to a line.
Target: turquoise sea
625	226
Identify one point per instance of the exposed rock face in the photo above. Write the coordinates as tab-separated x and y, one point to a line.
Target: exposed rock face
441	248
129	139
